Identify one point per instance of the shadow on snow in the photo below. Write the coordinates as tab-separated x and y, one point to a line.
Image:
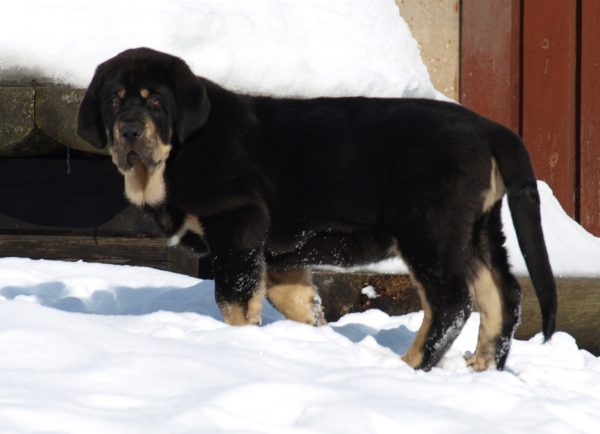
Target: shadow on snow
199	298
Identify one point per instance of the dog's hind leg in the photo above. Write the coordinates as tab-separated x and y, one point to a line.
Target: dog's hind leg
447	306
293	294
496	294
436	269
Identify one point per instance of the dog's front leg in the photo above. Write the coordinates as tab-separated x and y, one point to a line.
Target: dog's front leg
240	285
236	241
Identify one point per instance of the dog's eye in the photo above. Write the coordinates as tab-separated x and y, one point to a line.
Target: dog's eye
154	101
115	101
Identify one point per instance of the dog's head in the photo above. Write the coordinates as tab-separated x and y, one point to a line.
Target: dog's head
141	102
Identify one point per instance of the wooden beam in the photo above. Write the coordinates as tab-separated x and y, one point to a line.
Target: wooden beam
578	301
147	252
549	94
578	307
341	293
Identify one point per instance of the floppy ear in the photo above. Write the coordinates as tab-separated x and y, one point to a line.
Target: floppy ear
192	103
89	118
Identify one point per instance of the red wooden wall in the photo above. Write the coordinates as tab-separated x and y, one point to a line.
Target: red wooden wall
548	117
534	66
589	191
490	74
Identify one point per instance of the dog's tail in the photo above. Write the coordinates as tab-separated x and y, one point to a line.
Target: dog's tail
519	178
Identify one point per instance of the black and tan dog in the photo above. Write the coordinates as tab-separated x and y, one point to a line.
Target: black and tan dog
269	187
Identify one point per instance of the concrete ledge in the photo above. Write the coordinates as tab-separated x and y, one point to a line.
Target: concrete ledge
36	121
578	302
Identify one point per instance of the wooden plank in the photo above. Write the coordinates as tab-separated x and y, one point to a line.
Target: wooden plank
341	293
490	59
114	250
578	307
549	93
179	260
578	301
590	117
147	252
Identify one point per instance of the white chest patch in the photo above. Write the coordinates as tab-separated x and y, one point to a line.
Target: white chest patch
144	186
190	223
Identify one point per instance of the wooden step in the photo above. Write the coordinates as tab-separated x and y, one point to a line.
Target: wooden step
578	302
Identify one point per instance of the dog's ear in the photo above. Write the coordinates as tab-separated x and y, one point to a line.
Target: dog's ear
89	118
192	103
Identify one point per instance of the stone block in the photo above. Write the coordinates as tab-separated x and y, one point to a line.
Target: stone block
436	27
56	115
17	117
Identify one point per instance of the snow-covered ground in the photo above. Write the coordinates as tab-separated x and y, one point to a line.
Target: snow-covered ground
89	348
165	363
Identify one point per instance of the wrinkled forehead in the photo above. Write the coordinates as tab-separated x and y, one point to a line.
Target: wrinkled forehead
135	76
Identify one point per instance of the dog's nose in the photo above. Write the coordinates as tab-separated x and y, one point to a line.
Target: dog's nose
131	132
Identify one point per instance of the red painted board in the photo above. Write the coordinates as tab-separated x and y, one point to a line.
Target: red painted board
590	117
549	93
490	59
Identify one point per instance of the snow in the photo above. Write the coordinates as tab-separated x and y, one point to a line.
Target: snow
280	47
102	348
155	357
369	291
573	251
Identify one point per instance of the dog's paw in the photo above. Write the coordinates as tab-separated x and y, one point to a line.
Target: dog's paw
479	363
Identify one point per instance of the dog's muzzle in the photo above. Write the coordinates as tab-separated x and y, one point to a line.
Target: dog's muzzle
131	132
132	158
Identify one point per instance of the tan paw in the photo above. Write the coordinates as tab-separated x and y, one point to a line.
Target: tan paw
237	315
480	363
